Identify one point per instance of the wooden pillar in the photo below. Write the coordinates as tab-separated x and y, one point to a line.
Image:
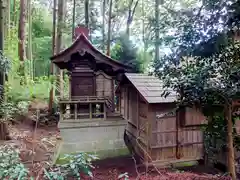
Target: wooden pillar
75	111
105	111
90	110
61	112
70	86
113	96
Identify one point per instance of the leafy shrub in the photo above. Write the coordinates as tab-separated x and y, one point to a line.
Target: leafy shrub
10	110
10	166
74	165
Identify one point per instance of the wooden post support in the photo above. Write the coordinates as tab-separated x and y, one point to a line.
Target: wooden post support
231	159
61	112
90	110
104	110
75	111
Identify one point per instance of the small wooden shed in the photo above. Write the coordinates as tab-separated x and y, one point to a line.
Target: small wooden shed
159	132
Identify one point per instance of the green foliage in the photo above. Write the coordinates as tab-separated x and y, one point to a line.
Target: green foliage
206	80
42	22
10	166
215	136
73	167
39	88
126	52
10	109
5	63
42	51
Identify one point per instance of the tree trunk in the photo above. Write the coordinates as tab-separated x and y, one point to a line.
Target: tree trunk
21	37
103	24
21	30
14	20
156	30
1	50
59	26
73	18
131	12
143	33
86	7
7	19
51	94
231	159
59	44
4	133
29	45
109	27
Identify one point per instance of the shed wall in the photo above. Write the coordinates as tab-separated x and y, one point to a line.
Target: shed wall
135	110
170	141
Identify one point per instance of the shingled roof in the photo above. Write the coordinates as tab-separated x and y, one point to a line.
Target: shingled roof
151	88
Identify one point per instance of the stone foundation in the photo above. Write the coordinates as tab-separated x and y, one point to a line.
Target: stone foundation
105	139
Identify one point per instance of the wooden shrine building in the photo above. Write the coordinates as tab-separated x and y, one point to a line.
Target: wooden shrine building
88	118
159	132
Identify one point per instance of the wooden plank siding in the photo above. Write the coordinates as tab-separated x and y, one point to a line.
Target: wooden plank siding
135	110
170	141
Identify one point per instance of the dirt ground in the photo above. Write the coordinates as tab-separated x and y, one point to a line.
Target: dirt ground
36	149
110	169
45	144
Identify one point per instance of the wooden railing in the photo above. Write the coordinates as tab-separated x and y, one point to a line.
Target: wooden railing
82	99
109	103
85	108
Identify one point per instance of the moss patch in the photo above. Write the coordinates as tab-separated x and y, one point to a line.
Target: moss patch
101	154
185	164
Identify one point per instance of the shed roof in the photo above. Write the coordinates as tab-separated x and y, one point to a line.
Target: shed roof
151	88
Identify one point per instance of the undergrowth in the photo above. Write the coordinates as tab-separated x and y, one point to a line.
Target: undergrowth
74	166
11	167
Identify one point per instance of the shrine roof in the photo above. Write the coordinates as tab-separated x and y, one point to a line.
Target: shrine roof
83	45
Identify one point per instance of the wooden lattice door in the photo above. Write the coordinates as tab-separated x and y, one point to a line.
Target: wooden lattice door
83	86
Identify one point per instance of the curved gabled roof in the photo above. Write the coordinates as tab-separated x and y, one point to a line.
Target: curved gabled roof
82	45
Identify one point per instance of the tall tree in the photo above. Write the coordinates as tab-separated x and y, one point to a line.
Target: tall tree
29	44
73	18
103	24
131	11
7	18
21	30
60	27
86	12
14	11
22	37
143	31
1	49
157	30
51	94
109	27
4	133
